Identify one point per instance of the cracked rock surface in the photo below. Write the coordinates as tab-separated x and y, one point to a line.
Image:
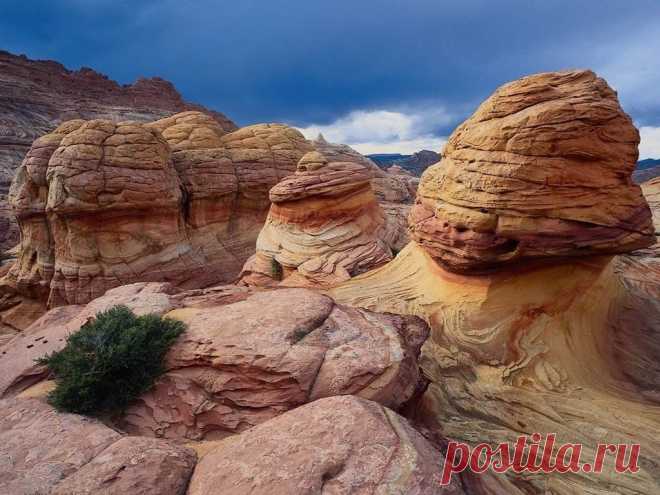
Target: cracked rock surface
241	364
46	452
180	200
541	169
344	445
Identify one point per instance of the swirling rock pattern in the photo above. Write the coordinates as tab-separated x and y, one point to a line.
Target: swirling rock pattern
552	335
542	169
324	226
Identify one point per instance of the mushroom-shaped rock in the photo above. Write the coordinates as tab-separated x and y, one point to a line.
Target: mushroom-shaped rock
567	345
334	445
541	169
324	226
241	364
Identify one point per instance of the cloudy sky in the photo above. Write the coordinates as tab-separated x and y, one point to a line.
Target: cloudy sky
381	75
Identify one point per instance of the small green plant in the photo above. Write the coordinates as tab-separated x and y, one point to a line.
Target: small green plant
110	361
275	269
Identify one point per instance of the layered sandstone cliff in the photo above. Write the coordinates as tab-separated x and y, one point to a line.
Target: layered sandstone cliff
535	326
102	204
36	96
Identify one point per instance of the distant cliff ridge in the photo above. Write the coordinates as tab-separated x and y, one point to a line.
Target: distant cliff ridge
37	95
415	163
646	170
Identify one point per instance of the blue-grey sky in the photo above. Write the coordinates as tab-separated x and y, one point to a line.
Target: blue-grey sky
383	75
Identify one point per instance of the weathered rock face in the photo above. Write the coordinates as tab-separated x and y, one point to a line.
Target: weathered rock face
324	226
190	131
244	363
564	345
36	96
43	451
180	200
112	211
638	338
334	445
395	190
245	357
542	169
133	465
18	368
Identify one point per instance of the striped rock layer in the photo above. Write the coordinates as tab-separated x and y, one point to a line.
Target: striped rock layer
541	169
102	204
324	226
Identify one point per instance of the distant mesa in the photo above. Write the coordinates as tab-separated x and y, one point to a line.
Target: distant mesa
415	163
646	170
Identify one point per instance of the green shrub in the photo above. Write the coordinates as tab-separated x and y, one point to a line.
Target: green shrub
275	269
110	361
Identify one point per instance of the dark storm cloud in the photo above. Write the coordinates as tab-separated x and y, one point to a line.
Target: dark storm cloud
313	62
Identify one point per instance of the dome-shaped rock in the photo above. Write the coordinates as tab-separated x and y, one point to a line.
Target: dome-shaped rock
542	169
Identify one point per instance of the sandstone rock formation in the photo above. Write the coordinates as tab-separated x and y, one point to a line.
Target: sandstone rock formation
133	465
18	369
180	200
334	445
245	357
36	96
394	190
43	451
542	169
241	364
557	336
324	226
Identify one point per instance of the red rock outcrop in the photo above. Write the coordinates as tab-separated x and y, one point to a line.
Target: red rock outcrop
180	200
135	465
542	169
394	189
334	445
43	451
241	364
323	227
36	96
18	368
245	357
542	329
